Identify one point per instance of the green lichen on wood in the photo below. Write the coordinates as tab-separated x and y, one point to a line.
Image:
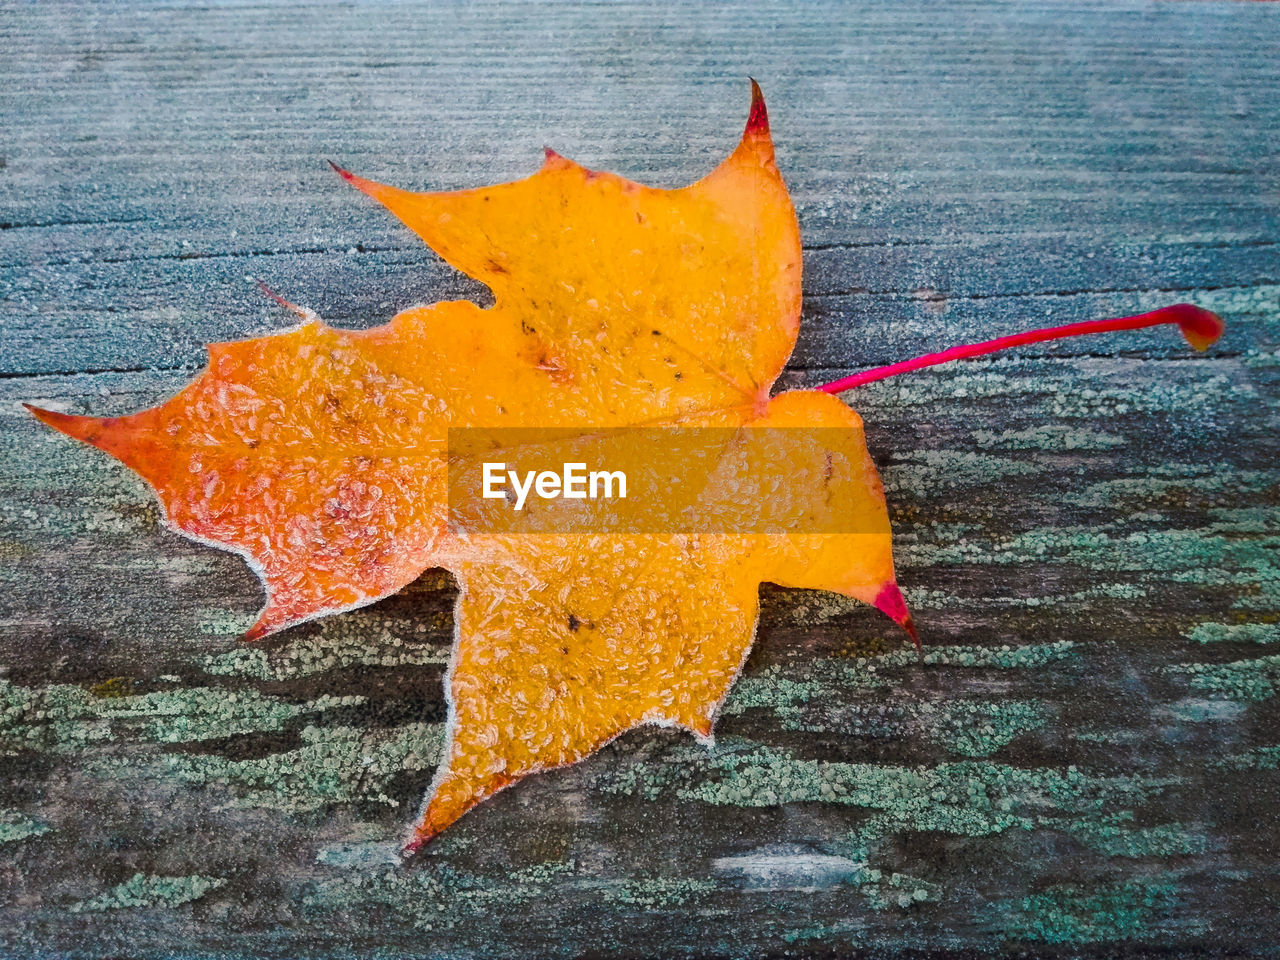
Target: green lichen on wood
1115	836
1261	758
968	728
921	599
1248	680
441	898
922	472
816	696
1235	633
978	728
1176	556
339	645
967	798
64	718
147	890
335	765
658	893
216	622
1098	913
16	825
777	689
1174	483
884	891
1048	437
1003	657
1261	596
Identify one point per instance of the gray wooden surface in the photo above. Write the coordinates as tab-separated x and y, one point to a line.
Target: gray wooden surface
1088	533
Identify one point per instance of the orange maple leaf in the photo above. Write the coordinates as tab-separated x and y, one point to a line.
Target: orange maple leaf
320	455
317	454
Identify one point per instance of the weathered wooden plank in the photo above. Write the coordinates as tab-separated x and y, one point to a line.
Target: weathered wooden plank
1085	763
1146	156
863	305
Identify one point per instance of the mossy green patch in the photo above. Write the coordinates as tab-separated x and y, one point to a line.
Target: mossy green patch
1003	657
1099	913
16	825
335	765
1253	680
64	718
1256	519
978	728
1262	595
967	728
1261	758
967	798
339	646
928	471
815	696
1178	556
919	599
1174	481
1049	437
439	898
146	890
216	622
1235	633
1115	836
884	891
658	893
774	687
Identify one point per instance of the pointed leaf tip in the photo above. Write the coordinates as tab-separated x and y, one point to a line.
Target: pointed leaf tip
370	187
758	118
85	429
344	174
891	603
273	619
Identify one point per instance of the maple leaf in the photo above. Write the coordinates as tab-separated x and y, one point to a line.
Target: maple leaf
317	453
320	455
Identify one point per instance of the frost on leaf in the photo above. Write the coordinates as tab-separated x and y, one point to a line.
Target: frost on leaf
320	454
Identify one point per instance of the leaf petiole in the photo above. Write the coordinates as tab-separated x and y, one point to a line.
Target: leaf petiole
1200	327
